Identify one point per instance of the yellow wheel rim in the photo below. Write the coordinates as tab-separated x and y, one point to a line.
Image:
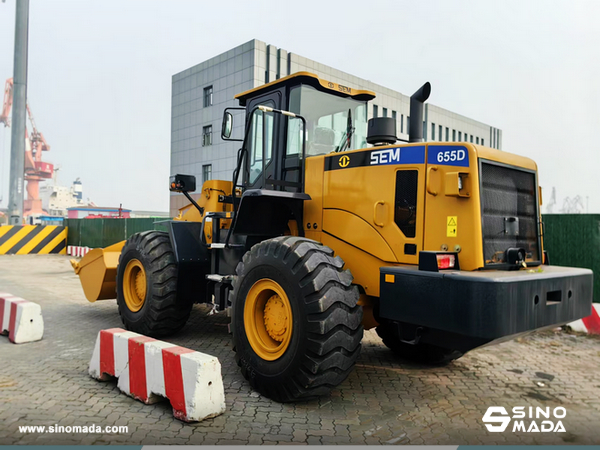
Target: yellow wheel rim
134	285
268	319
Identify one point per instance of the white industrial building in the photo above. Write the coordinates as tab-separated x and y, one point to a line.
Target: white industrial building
56	199
202	92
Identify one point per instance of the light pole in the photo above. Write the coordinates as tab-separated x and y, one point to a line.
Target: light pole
17	149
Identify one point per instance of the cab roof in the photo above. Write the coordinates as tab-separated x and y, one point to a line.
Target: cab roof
310	79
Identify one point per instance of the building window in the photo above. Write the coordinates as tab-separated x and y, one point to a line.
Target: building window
459	136
375	112
393	114
440	133
471	139
477	140
454	135
408	124
206	173
384	112
208	96
432	131
447	134
206	136
401	123
482	141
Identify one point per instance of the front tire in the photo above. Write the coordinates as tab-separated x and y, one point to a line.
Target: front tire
295	322
147	286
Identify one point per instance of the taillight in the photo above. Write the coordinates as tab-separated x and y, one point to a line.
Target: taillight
436	261
446	261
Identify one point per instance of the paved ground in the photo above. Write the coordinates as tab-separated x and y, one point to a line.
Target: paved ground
385	400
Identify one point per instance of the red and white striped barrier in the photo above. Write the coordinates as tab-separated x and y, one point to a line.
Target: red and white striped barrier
148	369
75	250
20	319
589	324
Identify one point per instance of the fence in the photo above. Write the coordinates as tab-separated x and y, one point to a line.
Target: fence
96	233
574	240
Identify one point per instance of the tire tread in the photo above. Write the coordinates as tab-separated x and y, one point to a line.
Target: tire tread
164	315
334	321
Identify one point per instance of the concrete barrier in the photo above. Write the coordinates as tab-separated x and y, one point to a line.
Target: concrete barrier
148	370
76	250
20	319
589	324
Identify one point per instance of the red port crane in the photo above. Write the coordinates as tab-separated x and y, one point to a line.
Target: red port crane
36	170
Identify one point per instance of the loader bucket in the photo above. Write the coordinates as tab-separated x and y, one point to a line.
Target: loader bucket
97	272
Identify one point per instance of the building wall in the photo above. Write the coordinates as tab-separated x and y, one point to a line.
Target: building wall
253	64
228	74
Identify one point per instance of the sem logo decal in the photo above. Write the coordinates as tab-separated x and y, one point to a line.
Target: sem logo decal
344	161
411	155
387	156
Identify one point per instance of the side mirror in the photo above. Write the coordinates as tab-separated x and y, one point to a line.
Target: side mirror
227	125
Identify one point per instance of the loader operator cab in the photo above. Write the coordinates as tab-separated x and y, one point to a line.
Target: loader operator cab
327	117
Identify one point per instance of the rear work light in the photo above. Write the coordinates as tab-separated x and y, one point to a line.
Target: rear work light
436	261
445	261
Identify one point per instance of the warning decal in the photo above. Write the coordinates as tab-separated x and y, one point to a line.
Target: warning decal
451	226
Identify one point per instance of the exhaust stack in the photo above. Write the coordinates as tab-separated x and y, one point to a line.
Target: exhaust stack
415	132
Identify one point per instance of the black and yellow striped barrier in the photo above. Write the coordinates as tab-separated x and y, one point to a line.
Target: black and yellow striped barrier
29	239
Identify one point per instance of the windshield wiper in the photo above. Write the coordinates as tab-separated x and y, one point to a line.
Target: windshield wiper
347	136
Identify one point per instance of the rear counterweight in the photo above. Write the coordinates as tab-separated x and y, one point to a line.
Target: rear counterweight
464	310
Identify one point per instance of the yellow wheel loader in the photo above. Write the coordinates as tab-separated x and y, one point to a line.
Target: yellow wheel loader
331	226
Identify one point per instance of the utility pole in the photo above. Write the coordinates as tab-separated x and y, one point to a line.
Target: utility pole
17	150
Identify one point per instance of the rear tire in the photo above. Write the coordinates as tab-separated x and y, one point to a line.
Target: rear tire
421	352
314	350
147	286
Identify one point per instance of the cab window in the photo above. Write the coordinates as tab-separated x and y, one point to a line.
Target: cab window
329	120
405	210
255	149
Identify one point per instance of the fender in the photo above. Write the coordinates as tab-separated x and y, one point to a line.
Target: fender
193	260
266	213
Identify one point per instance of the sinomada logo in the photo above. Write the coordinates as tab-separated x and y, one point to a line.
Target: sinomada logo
527	419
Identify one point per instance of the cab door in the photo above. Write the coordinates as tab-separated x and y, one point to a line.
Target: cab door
264	131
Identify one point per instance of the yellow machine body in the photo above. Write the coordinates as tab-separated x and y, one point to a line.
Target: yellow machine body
353	210
209	200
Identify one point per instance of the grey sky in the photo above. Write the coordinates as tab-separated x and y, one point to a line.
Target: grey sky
100	76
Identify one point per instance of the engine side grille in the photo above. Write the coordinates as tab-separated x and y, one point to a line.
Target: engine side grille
508	193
